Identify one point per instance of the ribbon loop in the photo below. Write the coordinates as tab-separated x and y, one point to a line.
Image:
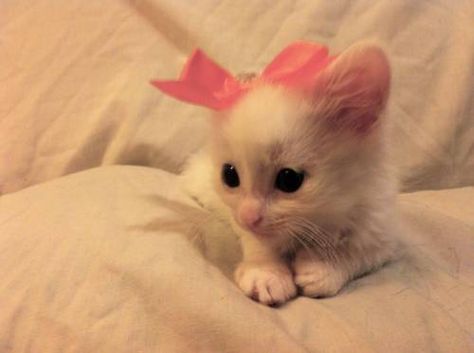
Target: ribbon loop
205	83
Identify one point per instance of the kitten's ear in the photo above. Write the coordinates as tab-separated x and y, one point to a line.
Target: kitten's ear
356	86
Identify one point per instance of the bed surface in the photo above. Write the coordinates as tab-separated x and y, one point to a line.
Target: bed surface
95	255
88	268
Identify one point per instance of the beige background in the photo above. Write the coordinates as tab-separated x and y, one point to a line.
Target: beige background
75	91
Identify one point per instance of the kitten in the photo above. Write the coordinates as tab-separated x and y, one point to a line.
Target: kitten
303	179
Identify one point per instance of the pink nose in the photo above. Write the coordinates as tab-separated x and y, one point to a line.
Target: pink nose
251	220
250	213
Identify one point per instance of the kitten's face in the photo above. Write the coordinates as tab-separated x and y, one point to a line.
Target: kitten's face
284	161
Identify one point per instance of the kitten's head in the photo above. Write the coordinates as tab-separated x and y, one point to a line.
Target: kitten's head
284	158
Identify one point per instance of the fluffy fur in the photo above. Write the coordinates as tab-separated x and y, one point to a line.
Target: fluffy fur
340	223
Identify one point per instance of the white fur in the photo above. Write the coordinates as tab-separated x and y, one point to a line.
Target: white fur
340	223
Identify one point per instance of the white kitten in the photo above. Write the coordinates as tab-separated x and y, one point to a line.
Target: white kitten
303	178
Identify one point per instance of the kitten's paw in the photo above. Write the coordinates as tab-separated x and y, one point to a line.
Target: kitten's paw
318	279
270	284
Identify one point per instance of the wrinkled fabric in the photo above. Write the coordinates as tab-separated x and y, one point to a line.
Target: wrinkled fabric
91	262
75	89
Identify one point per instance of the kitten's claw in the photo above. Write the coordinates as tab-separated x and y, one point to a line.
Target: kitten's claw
269	284
316	278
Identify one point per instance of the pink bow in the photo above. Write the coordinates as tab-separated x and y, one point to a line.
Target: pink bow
205	83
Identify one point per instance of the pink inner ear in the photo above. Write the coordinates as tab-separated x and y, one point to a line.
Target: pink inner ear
358	85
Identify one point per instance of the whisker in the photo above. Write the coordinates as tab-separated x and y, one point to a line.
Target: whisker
311	236
303	244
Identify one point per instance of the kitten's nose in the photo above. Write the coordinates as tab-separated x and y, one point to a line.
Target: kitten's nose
252	221
250	213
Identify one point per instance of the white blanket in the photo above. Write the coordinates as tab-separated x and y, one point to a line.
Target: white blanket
87	267
75	74
102	260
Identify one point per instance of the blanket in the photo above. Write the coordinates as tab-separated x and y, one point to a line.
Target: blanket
87	266
75	90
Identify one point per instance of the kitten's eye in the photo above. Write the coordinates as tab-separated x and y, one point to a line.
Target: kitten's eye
230	176
289	180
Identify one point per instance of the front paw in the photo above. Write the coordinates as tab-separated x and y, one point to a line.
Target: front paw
270	284
316	278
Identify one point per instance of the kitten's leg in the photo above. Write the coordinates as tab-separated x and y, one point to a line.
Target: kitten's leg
317	277
263	274
323	276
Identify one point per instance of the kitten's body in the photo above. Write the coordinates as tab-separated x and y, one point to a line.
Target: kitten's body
340	222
